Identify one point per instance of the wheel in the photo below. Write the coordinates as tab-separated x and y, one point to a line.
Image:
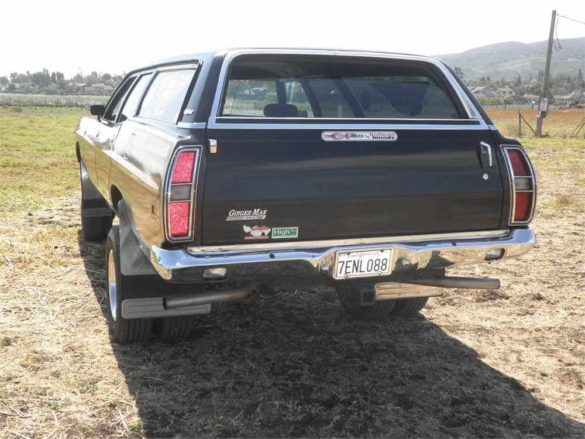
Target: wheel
93	228
409	307
122	330
352	298
172	329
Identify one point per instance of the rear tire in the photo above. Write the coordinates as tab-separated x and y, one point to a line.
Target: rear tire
409	307
122	330
171	329
93	228
350	296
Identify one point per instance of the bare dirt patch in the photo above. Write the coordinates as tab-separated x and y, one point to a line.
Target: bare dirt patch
501	363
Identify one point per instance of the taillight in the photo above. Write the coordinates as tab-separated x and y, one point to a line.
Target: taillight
523	185
180	194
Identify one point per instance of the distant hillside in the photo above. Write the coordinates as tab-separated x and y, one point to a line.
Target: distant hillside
508	60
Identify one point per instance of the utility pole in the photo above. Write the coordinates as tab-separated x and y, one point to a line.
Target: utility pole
543	106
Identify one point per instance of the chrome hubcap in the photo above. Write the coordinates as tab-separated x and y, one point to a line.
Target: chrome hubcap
112	286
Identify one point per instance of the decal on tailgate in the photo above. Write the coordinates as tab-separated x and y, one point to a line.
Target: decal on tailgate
359	136
256	232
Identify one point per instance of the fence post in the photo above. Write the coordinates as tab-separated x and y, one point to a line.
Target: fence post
519	125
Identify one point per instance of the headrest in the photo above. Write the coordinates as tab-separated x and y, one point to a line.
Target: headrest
281	110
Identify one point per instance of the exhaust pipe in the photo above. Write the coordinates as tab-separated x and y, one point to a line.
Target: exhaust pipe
430	287
236	294
460	282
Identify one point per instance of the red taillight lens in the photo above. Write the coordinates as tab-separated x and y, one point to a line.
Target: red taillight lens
180	193
519	163
184	165
179	219
523	183
523	206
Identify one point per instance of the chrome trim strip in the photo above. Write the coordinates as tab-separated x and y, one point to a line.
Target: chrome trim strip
348	119
512	185
413	255
298	245
324	126
470	109
193	125
167	192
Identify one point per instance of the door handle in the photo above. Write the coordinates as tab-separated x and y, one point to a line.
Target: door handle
486	155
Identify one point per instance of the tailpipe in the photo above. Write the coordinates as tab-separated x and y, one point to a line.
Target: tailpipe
472	283
234	295
430	287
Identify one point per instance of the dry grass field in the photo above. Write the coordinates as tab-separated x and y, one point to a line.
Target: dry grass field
507	363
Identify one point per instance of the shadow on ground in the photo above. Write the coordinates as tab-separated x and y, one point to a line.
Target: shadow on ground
296	365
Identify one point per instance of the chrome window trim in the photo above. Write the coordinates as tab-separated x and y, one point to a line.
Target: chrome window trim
512	185
167	192
470	109
339	126
344	242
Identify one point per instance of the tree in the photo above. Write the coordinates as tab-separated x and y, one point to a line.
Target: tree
459	72
4	80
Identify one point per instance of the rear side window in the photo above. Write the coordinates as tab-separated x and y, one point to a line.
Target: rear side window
336	87
116	102
166	95
133	101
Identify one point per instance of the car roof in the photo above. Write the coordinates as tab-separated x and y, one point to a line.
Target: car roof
208	55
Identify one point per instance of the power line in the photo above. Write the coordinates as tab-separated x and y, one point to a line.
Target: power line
557	41
571	19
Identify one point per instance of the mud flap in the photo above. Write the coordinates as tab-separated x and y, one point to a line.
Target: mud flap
133	260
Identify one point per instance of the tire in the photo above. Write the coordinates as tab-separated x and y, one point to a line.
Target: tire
122	331
350	296
93	228
171	329
409	307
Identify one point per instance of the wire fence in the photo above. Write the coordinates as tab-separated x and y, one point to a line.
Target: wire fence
33	100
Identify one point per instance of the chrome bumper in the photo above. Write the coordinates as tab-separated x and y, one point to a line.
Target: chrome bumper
310	258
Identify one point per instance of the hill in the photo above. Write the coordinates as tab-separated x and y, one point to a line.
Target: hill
510	59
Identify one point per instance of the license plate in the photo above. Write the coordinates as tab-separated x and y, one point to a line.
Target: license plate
366	263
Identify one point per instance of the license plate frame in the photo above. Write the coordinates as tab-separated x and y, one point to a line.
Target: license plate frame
346	255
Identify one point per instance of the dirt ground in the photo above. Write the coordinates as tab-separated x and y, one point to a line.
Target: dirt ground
483	364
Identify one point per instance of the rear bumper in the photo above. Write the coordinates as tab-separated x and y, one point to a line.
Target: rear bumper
316	258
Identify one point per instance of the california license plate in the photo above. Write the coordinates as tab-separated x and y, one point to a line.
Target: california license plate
365	263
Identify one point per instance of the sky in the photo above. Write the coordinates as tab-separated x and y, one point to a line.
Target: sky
118	35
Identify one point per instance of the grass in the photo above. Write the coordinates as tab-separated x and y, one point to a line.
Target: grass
558	124
37	156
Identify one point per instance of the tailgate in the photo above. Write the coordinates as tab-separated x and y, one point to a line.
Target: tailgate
302	187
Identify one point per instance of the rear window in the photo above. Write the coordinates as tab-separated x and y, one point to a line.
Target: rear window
166	95
336	87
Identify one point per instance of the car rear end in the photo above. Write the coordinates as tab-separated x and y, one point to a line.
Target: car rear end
323	164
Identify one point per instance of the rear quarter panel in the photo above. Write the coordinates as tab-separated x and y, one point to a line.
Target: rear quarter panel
86	132
139	165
